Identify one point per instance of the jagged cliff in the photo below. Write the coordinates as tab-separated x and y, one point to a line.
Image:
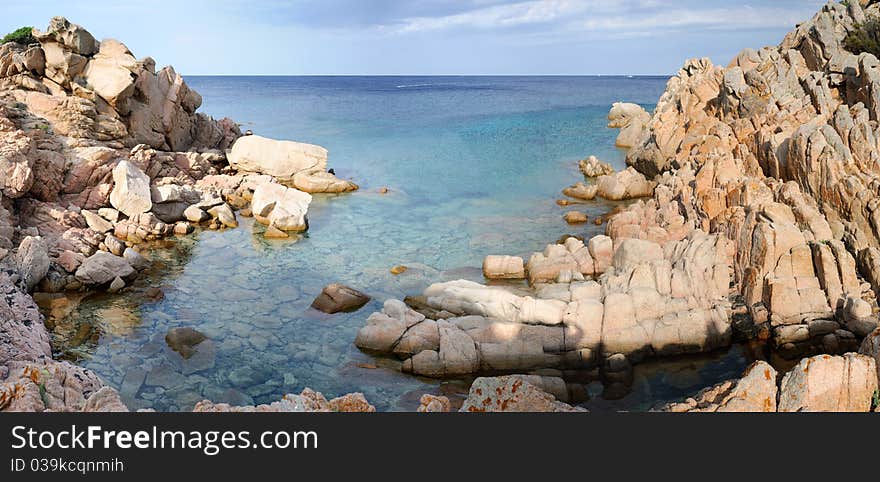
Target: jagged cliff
779	152
98	91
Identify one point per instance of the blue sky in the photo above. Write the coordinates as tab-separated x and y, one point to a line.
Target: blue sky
380	37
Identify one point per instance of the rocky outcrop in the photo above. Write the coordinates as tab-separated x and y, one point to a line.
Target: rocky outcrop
822	383
652	300
593	167
30	380
776	152
631	119
98	91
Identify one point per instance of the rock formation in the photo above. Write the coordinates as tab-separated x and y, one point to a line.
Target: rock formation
822	383
647	300
631	120
100	152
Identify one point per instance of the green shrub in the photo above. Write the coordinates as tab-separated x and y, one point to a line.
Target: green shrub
22	36
865	38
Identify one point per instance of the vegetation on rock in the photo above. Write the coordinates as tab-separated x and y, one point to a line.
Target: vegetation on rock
23	36
865	38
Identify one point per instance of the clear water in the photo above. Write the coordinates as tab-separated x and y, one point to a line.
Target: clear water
474	166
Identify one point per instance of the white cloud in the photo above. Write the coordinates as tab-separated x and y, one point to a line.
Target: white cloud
514	14
743	17
622	17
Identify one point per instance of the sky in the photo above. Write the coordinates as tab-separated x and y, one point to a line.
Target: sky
425	37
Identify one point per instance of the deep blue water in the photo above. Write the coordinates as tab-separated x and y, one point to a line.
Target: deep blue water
474	166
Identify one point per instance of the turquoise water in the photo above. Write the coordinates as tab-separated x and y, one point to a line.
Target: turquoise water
474	166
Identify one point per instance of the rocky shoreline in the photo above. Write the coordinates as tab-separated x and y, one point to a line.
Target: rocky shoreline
101	154
758	183
751	195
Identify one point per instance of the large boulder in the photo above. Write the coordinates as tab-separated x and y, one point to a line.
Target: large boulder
110	74
281	207
103	267
281	159
626	184
131	193
827	383
33	260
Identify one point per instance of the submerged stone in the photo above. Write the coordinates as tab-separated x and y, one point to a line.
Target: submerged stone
335	298
183	340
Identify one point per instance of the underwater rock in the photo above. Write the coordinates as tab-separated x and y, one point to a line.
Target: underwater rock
335	298
183	340
575	217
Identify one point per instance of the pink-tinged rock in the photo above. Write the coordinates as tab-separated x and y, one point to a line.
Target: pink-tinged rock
433	404
827	383
511	394
754	392
503	267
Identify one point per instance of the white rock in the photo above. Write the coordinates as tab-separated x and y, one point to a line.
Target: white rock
282	159
97	222
166	193
131	193
110	72
280	206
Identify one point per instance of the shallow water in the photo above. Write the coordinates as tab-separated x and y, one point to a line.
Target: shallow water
474	166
